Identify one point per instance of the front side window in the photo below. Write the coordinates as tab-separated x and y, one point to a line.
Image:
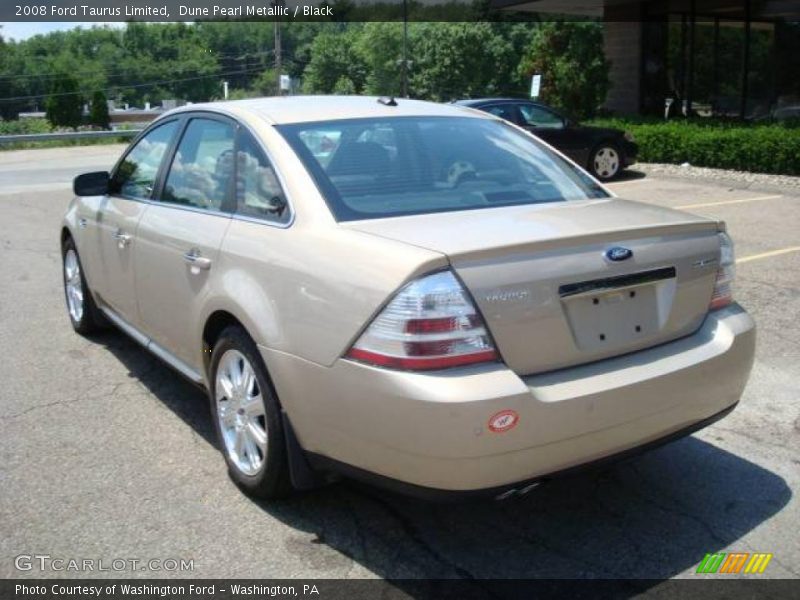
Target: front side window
201	174
536	116
415	165
137	172
258	191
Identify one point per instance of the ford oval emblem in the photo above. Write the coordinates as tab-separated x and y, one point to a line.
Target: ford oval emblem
618	253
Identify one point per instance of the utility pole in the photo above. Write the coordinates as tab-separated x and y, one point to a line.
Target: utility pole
277	34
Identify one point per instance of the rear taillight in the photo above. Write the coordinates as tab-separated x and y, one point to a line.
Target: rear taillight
723	287
430	324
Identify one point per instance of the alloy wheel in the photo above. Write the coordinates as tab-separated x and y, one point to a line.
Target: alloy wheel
241	413
73	285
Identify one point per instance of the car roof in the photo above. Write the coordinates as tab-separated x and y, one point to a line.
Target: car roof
303	109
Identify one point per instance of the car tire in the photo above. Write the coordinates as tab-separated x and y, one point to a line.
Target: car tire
83	313
247	417
606	161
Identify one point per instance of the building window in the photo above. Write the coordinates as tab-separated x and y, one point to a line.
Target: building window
713	65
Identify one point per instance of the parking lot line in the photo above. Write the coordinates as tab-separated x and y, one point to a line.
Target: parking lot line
737	201
745	259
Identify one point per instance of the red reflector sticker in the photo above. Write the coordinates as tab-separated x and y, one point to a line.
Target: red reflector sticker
503	421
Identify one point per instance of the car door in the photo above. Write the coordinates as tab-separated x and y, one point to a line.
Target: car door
555	130
180	234
118	215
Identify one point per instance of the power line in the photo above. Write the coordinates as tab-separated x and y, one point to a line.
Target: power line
138	85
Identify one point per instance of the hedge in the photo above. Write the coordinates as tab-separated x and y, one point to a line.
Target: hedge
757	148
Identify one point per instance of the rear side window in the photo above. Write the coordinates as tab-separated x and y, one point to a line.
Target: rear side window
371	168
258	190
137	172
201	174
540	117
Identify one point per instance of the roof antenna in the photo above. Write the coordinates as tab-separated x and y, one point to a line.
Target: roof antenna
387	101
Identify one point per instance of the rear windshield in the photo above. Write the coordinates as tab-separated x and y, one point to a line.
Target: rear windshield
373	168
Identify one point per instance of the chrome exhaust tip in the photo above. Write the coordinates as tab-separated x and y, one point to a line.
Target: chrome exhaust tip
517	492
506	495
530	487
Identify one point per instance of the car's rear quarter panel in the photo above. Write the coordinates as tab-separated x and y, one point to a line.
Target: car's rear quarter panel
308	291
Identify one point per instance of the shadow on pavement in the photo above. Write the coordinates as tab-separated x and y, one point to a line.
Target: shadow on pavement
628	175
651	517
179	395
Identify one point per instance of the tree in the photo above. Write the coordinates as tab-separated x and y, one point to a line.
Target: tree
380	47
154	61
266	84
13	86
242	94
98	112
344	86
64	104
334	57
569	56
453	60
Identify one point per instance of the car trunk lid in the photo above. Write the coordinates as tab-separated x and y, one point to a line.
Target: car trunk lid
550	294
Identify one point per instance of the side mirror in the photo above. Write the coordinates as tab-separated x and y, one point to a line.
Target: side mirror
91	184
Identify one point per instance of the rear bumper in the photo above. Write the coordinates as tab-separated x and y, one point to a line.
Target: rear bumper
503	491
430	430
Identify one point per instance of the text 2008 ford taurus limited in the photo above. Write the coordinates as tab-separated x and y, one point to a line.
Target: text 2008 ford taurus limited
418	294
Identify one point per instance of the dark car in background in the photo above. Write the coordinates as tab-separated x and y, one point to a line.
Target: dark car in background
603	151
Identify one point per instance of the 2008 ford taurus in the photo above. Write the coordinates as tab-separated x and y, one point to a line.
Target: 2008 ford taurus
420	295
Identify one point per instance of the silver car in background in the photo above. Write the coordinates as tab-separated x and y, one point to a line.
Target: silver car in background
420	295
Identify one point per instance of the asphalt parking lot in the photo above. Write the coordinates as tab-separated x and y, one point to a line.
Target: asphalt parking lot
106	453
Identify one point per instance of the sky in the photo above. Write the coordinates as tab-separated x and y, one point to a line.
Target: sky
21	31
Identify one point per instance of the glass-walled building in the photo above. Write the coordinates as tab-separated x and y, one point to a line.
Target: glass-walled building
734	62
734	58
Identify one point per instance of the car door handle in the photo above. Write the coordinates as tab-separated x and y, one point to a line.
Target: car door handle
82	222
194	258
123	239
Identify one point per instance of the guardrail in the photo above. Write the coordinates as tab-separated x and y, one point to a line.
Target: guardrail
67	135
